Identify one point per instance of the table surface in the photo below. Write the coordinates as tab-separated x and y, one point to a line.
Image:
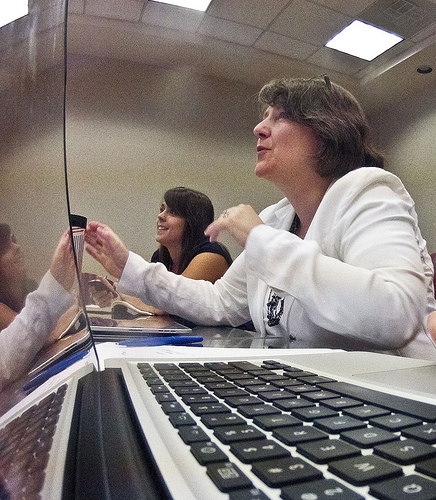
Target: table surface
218	337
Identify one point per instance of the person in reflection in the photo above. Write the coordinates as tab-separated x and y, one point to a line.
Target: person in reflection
32	326
14	282
183	247
339	262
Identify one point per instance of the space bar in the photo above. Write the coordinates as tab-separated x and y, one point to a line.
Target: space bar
424	411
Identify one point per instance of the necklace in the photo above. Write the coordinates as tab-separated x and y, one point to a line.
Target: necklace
295	226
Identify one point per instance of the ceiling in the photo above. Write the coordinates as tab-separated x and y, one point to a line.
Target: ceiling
253	41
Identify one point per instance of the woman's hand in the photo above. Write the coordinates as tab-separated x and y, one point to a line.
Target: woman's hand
62	267
102	291
106	248
237	221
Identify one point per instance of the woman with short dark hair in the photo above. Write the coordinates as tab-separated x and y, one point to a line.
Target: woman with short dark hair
339	262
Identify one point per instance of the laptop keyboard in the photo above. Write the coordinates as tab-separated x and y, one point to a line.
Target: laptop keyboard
25	445
304	436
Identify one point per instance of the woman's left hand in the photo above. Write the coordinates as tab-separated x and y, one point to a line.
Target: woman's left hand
62	267
237	221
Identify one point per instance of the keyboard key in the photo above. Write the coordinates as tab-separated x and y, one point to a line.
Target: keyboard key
283	471
178	419
264	449
207	453
327	450
270	422
219	419
299	373
217	365
406	487
227	477
272	396
405	452
295	435
316	379
205	408
313	412
340	403
195	389
236	401
252	411
235	433
302	388
424	432
191	367
291	403
192	434
284	382
366	412
251	494
394	422
161	367
364	470
182	383
368	437
326	489
156	388
258	389
270	377
336	425
250	382
164	396
319	395
229	393
246	366
172	408
427	467
199	398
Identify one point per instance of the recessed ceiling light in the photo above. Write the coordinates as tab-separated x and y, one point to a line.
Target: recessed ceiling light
189	4
12	10
424	69
363	40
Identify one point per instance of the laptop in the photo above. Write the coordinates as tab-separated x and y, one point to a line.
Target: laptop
105	327
196	423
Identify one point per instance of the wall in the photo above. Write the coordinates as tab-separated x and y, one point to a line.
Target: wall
32	181
408	136
134	131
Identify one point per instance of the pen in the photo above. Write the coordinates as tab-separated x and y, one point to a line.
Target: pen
156	341
41	377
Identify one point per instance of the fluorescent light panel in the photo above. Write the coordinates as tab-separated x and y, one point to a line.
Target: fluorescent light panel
363	40
10	10
189	4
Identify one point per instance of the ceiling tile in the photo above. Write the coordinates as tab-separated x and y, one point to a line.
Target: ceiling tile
350	7
337	61
128	10
284	46
228	30
76	6
259	13
405	18
169	16
309	22
425	33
